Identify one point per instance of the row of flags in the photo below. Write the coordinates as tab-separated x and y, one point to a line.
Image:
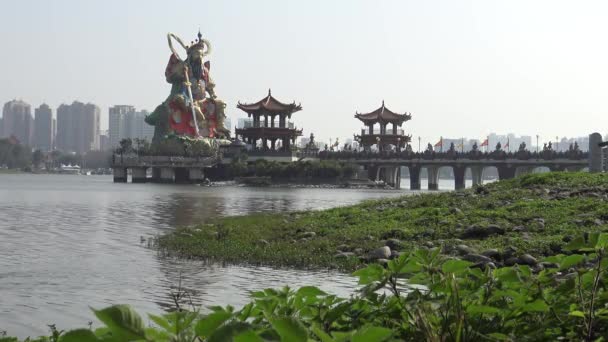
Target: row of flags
461	145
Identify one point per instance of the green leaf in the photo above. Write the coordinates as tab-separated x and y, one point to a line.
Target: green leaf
337	312
372	333
455	266
602	241
208	324
161	322
576	244
79	335
228	332
322	335
248	336
536	306
571	260
370	274
289	328
482	309
158	335
124	323
499	336
577	313
310	291
506	274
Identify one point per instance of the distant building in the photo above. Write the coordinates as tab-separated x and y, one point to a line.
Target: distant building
228	124
104	141
127	123
17	121
116	123
382	137
264	131
564	143
44	128
513	141
78	127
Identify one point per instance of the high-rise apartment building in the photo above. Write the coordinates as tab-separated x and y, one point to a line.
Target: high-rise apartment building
44	123
17	121
116	123
127	123
78	127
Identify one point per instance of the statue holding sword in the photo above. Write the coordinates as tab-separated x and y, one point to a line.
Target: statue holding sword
192	108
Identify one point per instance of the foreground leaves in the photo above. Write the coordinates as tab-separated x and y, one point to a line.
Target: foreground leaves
423	296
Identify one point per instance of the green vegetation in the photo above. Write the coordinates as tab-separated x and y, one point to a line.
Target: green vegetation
15	156
425	294
301	170
443	299
536	214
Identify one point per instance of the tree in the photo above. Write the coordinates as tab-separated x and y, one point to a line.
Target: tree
37	158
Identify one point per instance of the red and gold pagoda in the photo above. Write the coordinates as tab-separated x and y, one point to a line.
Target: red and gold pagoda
264	126
383	137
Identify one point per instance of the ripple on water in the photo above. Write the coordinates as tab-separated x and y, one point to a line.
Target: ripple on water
67	242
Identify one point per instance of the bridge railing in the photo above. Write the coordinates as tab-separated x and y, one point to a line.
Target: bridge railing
454	155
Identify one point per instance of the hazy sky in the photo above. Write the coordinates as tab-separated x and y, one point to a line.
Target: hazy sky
462	68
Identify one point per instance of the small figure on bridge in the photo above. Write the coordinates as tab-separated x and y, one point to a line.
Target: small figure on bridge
522	147
498	147
475	148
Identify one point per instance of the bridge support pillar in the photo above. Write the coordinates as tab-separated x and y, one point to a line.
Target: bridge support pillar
523	170
181	175
476	174
392	176
155	175
506	172
167	175
196	175
595	153
414	177
459	171
433	177
138	174
120	174
398	177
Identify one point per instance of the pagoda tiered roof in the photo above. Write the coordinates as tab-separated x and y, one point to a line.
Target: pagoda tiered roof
383	114
270	105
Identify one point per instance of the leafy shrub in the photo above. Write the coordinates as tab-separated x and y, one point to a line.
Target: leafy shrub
423	296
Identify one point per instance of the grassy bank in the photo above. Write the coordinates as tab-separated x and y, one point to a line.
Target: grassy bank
536	214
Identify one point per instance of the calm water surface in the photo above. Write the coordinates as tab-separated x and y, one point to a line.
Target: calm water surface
70	242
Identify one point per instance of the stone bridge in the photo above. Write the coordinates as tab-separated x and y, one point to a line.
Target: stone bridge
165	169
387	166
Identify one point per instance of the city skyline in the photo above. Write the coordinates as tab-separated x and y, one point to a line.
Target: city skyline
490	65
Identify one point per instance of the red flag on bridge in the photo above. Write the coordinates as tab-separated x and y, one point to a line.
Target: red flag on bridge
439	143
484	143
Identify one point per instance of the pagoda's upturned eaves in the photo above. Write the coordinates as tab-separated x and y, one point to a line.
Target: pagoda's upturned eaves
269	105
383	114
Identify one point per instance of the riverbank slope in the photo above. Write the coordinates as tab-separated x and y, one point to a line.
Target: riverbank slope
507	222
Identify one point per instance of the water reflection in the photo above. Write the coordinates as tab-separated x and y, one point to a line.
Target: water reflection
67	242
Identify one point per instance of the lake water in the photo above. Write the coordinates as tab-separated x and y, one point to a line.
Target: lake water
69	242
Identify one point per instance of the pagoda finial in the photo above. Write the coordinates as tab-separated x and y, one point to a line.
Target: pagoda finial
269	92
200	36
383	103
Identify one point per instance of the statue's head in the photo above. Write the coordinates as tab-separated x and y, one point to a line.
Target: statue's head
196	53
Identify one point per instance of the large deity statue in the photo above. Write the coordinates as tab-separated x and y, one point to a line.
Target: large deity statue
192	96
